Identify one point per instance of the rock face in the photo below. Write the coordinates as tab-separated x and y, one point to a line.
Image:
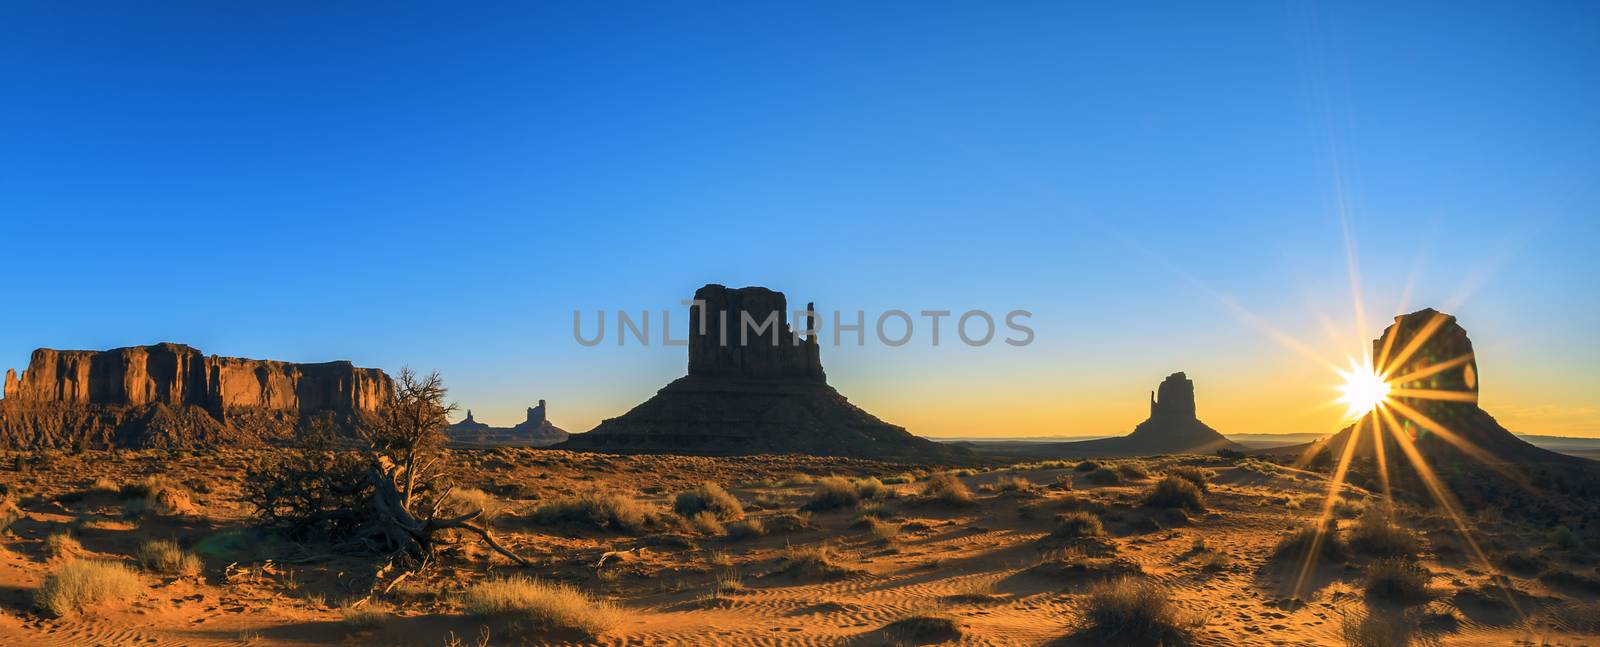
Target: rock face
536	431
1172	428
754	391
1434	381
174	395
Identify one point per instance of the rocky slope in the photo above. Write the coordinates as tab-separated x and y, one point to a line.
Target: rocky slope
172	395
767	394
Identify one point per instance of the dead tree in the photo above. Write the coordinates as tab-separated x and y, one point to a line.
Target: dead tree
406	490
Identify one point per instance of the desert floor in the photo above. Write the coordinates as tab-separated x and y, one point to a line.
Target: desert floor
991	568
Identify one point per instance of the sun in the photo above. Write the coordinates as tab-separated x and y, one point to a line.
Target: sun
1363	389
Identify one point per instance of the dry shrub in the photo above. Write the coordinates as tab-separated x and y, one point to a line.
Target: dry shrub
366	616
900	479
1398	581
813	562
1199	476
1133	471
945	489
787	522
535	604
1077	525
1298	544
796	480
1013	485
1103	476
1086	466
165	557
748	528
155	495
705	523
1131	610
104	485
832	493
1176	492
468	500
1214	561
922	629
611	511
878	528
708	497
9	514
1375	533
79	583
62	544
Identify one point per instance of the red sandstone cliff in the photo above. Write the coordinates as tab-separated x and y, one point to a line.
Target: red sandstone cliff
173	395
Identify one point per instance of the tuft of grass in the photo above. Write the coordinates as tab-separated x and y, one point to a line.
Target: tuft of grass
1104	476
1398	581
900	479
80	583
536	604
833	493
1199	476
1298	544
156	495
1176	492
602	511
366	616
1133	471
813	562
708	497
705	523
468	500
1215	561
1131	610
165	557
878	528
1013	485
787	522
62	544
796	480
922	629
9	514
1375	533
945	489
104	485
747	529
1076	525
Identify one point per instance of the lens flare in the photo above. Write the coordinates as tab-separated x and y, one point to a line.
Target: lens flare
1363	390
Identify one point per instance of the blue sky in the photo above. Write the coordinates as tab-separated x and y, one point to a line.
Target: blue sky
441	187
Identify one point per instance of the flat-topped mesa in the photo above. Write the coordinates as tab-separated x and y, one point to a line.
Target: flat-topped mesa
745	333
173	395
1174	398
177	375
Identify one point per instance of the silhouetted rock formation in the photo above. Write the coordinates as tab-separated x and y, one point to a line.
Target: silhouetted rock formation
171	395
1481	462
536	431
1172	428
753	393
